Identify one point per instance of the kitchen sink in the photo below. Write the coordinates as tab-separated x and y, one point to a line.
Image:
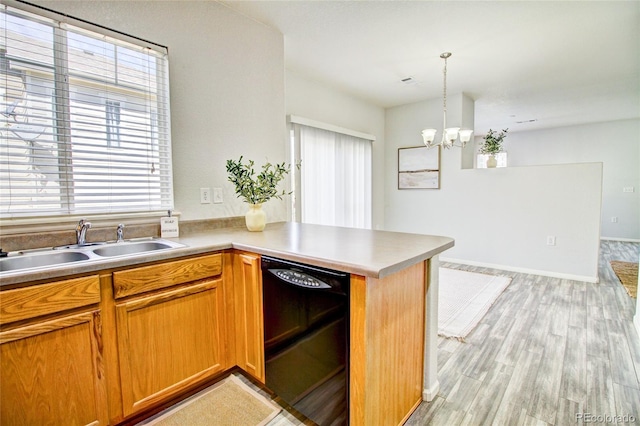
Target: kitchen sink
79	246
120	249
41	259
61	255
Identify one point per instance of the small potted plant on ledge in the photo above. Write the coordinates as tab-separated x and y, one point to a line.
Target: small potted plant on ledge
492	144
256	190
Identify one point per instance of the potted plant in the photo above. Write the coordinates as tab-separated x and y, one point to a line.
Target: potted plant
256	190
492	144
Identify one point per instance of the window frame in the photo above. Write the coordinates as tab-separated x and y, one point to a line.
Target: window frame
63	141
297	126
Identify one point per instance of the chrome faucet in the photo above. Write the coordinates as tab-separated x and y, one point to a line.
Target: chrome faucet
81	231
120	233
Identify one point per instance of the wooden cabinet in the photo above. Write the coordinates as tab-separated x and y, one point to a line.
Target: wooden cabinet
387	331
249	329
173	334
104	348
52	370
162	275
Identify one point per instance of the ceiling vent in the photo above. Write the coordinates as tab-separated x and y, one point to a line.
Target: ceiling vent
409	81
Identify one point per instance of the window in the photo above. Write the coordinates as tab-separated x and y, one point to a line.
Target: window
84	124
335	177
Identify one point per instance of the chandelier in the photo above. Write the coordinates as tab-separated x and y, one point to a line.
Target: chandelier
449	135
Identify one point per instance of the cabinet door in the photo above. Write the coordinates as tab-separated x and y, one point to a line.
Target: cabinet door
169	341
248	314
53	374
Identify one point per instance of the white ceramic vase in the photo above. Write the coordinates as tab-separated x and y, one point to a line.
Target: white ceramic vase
255	218
491	161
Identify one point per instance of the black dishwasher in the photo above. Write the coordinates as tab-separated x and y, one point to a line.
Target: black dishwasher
306	335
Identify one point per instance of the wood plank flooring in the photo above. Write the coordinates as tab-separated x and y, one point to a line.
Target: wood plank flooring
549	352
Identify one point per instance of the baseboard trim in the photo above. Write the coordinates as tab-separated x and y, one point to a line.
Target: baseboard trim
429	394
552	274
622	240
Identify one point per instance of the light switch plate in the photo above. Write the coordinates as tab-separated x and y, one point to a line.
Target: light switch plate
217	195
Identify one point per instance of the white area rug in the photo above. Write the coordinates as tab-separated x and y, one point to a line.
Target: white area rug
464	298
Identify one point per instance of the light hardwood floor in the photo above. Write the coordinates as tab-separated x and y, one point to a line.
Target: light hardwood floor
548	352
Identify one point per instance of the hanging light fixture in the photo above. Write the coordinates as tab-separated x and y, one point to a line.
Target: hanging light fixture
449	135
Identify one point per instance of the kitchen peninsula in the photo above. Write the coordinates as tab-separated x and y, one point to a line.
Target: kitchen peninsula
393	306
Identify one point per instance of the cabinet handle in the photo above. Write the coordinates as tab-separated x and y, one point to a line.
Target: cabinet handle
143	302
44	327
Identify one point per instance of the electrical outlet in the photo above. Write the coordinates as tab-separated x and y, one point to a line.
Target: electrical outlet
205	195
614	219
551	240
217	195
628	189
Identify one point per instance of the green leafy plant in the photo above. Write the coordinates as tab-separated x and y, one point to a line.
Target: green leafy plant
492	143
256	189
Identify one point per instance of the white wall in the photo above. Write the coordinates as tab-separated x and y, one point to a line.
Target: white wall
616	144
310	99
498	217
227	91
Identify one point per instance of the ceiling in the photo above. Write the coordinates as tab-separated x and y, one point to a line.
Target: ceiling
557	63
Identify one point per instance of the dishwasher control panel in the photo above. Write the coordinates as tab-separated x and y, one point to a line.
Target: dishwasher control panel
299	278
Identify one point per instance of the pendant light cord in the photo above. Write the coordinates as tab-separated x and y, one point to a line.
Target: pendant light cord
444	98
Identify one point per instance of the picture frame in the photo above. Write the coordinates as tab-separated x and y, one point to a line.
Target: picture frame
419	168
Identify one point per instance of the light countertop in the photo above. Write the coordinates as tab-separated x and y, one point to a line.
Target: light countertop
357	251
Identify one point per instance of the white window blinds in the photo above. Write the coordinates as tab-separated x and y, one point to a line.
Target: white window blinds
84	119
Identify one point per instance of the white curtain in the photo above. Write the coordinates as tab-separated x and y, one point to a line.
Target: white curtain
335	178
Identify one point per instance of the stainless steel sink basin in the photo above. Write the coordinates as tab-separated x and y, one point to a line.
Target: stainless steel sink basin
41	259
120	249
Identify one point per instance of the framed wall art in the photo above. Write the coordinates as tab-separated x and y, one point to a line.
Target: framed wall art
419	168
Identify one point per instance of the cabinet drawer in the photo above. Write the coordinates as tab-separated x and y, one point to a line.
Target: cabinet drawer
153	277
30	302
